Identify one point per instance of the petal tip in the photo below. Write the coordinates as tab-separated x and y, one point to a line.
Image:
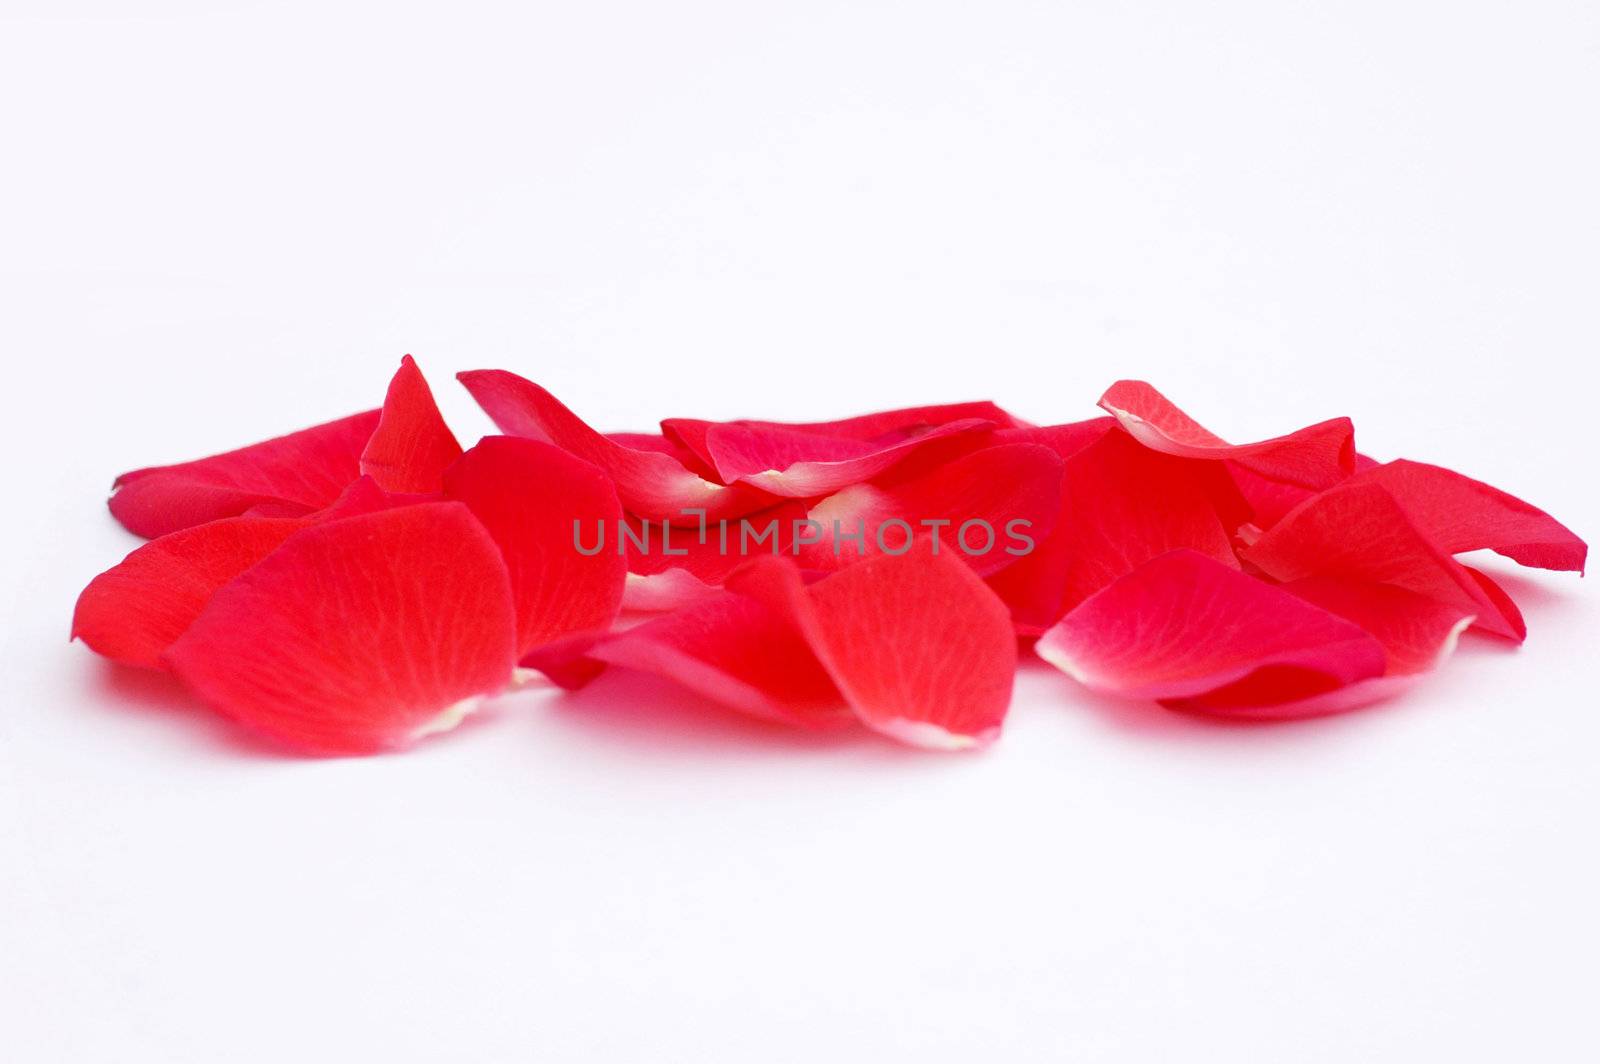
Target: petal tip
926	735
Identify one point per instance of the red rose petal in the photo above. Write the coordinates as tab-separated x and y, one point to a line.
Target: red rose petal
566	662
528	495
1011	493
363	496
663	591
1315	457
1065	440
1460	514
920	647
1183	625
303	471
801	465
412	446
1291	694
1035	584
650	483
676	567
135	610
1502	603
1417	632
1126	504
738	652
662	444
884	427
1361	532
1269	500
905	422
359	635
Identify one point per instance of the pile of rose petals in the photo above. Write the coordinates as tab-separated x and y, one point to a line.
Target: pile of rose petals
354	586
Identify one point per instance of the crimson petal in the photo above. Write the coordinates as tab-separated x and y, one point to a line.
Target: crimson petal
1315	457
359	635
650	482
920	647
1183	625
412	446
676	566
801	464
664	444
736	651
1361	532
1417	632
297	473
536	500
1035	585
135	610
1126	504
1009	493
1065	440
882	427
1460	514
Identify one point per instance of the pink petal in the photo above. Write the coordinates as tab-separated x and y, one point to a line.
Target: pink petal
1461	514
989	508
1183	625
135	610
300	472
649	482
533	499
1361	532
358	635
1315	457
412	446
922	650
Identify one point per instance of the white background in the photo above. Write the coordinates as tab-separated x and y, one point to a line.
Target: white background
220	222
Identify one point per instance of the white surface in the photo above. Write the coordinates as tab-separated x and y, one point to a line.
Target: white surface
225	221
